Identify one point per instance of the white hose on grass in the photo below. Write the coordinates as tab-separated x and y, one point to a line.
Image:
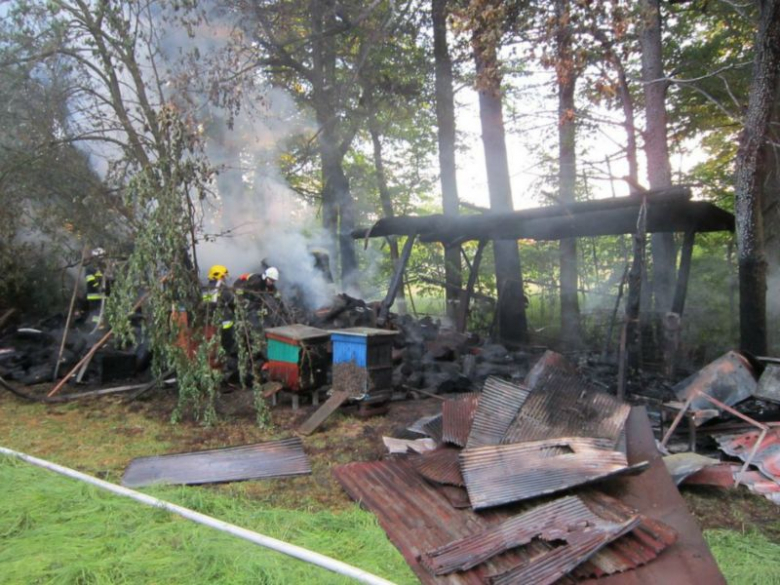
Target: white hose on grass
259	539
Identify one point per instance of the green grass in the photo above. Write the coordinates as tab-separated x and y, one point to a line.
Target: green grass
747	558
56	530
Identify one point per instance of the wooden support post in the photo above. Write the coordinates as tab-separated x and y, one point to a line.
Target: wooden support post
395	282
608	338
473	274
681	290
633	302
672	320
70	313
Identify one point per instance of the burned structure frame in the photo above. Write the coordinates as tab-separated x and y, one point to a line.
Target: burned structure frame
669	210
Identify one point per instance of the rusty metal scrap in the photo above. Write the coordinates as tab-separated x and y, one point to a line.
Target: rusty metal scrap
766	454
561	405
637	548
418	516
496	475
550	566
498	406
441	466
457	416
434	428
564	519
263	460
729	379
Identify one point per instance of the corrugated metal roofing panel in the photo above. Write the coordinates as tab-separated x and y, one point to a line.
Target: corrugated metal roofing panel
263	460
767	456
441	466
548	521
501	474
498	407
457	416
434	428
562	406
417	517
548	567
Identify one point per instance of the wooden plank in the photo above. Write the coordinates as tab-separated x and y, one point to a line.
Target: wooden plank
324	411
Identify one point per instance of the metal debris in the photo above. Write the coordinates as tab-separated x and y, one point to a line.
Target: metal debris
682	465
563	519
418	516
496	475
562	404
434	428
581	544
441	466
457	416
769	384
498	406
767	453
729	379
263	460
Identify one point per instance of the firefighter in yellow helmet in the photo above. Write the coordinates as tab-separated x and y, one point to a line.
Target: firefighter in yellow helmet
217	296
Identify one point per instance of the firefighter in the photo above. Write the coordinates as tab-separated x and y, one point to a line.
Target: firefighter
97	286
217	297
270	276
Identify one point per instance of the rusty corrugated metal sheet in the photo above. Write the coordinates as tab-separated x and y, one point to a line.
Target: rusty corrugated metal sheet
417	517
550	361
561	405
653	493
549	567
554	520
457	415
502	474
730	379
433	428
767	457
498	407
441	466
263	460
635	549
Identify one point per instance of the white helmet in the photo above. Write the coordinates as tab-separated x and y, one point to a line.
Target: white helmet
97	252
272	273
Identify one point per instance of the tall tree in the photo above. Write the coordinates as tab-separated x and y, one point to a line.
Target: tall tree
659	170
566	75
751	170
445	117
488	21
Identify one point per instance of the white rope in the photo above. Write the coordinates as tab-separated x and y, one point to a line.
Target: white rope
259	539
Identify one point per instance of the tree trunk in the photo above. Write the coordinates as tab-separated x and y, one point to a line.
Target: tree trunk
337	209
659	170
751	170
386	201
511	319
770	212
445	118
571	335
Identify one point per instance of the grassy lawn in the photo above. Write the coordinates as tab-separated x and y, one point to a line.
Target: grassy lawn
57	530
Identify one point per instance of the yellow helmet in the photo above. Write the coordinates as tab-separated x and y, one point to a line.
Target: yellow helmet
218	272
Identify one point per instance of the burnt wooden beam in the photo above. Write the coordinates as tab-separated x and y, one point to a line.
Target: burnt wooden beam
463	309
683	274
395	281
630	343
667	211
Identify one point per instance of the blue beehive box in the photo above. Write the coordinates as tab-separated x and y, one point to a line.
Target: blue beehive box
369	349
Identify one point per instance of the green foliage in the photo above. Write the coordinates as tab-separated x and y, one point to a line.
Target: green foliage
102	538
159	266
